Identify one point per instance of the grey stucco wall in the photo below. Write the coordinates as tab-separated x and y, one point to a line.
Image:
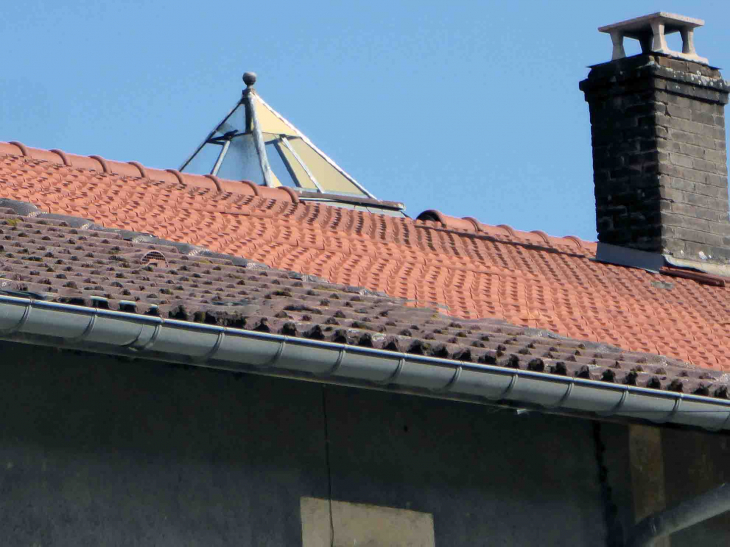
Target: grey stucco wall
96	450
696	462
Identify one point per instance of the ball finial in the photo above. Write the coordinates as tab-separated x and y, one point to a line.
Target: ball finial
249	78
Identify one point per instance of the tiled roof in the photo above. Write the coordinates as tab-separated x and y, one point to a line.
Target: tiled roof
71	260
467	269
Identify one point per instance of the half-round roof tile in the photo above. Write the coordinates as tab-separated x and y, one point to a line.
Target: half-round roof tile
474	222
61	154
216	181
577	241
432	215
85	162
37	153
10	148
543	236
175	173
124	169
20	146
140	168
252	186
104	164
507	229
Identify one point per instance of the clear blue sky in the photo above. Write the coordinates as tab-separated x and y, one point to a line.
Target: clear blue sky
471	108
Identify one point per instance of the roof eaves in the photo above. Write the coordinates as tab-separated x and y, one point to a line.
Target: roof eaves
132	335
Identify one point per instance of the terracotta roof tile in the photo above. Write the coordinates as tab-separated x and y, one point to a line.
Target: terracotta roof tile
467	269
43	256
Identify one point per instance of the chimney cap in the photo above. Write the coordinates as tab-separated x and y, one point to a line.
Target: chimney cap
651	30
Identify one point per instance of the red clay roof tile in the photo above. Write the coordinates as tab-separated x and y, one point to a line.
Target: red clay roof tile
73	261
468	269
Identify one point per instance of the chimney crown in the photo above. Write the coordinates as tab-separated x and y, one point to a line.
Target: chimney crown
651	30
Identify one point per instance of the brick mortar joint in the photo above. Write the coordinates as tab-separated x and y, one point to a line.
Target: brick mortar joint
668	107
655	140
668	115
694	169
676	152
693	228
670	200
676	214
662	138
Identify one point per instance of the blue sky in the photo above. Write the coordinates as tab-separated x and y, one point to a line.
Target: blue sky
471	108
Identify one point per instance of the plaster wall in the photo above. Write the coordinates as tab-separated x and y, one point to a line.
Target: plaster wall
101	451
694	463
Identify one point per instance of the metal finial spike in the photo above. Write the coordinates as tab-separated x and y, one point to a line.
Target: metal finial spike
249	78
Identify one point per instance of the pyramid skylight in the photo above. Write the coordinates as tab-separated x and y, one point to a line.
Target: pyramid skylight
256	143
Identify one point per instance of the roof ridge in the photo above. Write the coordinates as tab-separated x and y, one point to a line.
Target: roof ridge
536	237
136	170
133	169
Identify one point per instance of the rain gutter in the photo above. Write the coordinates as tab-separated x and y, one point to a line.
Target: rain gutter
118	333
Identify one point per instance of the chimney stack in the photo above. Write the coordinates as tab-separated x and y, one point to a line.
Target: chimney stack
659	152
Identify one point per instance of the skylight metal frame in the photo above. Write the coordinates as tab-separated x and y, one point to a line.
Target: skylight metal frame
258	138
224	151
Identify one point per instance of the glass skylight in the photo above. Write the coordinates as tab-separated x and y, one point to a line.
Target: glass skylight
255	143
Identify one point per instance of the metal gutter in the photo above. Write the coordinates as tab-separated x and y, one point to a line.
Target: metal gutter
118	333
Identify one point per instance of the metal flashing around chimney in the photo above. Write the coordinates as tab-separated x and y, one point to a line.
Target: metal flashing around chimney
705	273
632	258
712	268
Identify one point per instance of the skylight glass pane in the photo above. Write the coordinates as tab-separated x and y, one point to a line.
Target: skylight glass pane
329	179
204	160
270	122
241	161
278	166
235	122
299	173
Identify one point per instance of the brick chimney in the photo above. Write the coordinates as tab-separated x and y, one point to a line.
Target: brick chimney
659	152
